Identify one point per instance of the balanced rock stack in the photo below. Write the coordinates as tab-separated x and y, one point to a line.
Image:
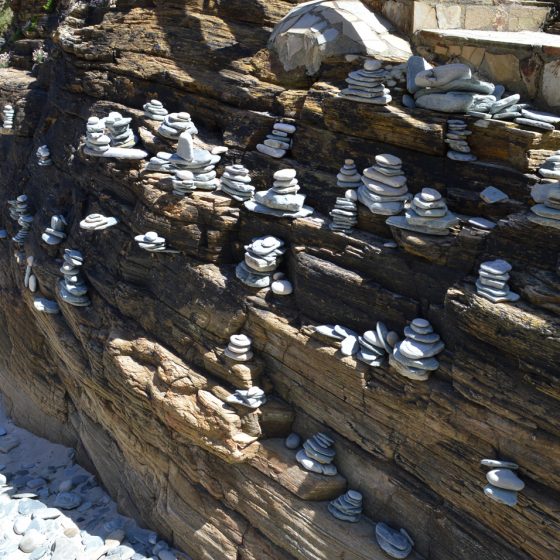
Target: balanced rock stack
119	130
97	222
384	187
282	200
55	234
456	137
43	156
317	455
348	177
73	289
8	116
236	183
19	211
397	544
345	212
151	242
279	142
375	345
414	357
492	282
262	257
547	211
347	507
504	484
18	207
550	169
239	348
250	398
175	124
366	85
97	142
183	183
155	111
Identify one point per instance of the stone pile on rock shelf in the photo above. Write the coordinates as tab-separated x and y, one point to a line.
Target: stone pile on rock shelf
317	455
348	177
97	222
8	117
347	507
550	169
155	110
119	130
111	137
97	142
366	85
174	124
73	289
503	484
547	210
428	213
262	257
492	282
43	156
456	138
250	398
397	544
19	211
153	243
384	187
415	356
279	142
18	207
282	199
239	348
345	212
183	183
55	234
236	182
44	305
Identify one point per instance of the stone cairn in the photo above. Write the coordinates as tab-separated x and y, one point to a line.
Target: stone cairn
239	348
262	257
97	222
250	398
19	211
30	280
345	212
503	484
282	199
317	455
547	211
97	142
366	85
153	243
119	131
492	281
384	188
456	137
111	137
236	182
46	306
8	115
348	177
414	357
550	169
43	156
279	142
155	111
347	507
73	289
55	234
183	183
428	213
174	124
397	544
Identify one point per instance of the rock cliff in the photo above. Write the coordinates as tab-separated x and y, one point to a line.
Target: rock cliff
137	382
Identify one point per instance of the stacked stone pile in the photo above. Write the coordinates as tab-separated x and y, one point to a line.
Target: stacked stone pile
174	124
43	156
155	110
97	222
236	182
384	187
8	117
550	169
55	234
345	212
119	130
239	348
19	210
262	257
250	398
183	183
347	507
456	137
395	543
503	484
492	282
73	289
317	455
111	137
97	142
279	142
153	243
415	356
547	211
366	85
348	177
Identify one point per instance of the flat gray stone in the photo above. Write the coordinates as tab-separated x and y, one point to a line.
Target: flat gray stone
451	102
534	123
505	479
506	497
491	195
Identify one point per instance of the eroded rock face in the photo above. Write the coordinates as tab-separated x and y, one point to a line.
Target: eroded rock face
138	381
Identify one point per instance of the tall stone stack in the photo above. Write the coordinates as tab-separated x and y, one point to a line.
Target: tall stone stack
175	124
317	455
366	85
8	114
155	111
73	289
456	138
492	283
345	212
236	182
279	142
119	131
348	176
262	257
19	210
97	142
55	234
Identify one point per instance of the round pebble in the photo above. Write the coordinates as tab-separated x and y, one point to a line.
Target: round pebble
282	287
371	65
293	441
285	175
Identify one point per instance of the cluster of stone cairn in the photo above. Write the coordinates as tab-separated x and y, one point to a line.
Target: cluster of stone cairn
44	156
415	356
456	137
348	177
345	212
384	187
97	222
46	306
347	507
492	282
30	280
428	213
8	115
550	169
153	243
547	211
174	124
262	257
396	543
282	199
73	289
504	484
239	348
19	210
317	455
97	142
111	137
55	234
250	398
366	85
155	110
236	183
119	130
279	141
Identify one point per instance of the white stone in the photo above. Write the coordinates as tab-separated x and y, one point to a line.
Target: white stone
282	287
506	479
